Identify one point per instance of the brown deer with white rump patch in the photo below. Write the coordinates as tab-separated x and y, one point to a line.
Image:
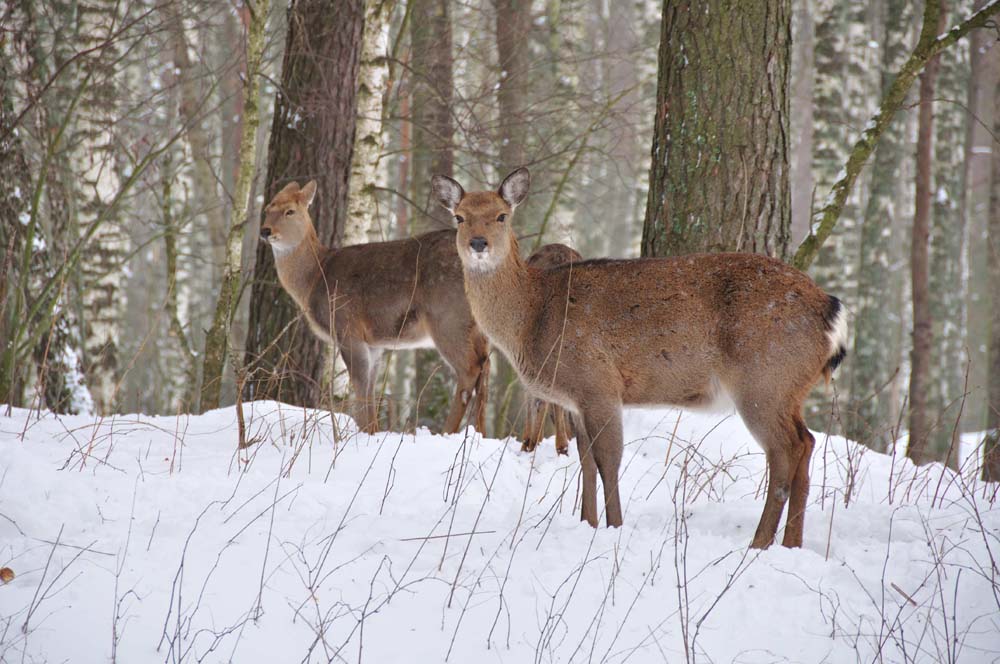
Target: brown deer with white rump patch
370	297
688	331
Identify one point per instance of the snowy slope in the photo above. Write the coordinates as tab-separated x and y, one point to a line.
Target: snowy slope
144	539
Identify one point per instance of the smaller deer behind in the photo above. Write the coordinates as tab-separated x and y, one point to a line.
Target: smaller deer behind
692	331
546	258
377	296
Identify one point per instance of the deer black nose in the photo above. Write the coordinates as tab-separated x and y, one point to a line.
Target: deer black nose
478	244
265	232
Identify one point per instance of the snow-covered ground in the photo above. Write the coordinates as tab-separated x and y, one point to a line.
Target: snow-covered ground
144	539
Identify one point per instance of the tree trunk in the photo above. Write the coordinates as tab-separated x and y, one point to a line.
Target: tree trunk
919	264
868	419
311	138
719	174
15	205
621	82
946	280
984	65
991	452
513	24
803	82
217	339
432	80
209	207
101	270
362	204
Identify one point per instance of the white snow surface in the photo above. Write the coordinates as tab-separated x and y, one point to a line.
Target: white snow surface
147	539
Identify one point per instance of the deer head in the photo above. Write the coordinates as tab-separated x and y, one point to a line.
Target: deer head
485	237
286	222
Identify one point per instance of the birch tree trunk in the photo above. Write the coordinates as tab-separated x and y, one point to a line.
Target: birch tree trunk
366	171
847	81
101	270
719	175
868	418
312	137
947	260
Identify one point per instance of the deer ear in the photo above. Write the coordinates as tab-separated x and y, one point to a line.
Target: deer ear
308	193
447	192
514	188
289	189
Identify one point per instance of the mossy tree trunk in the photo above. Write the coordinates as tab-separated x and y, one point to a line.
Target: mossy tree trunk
311	138
217	338
719	177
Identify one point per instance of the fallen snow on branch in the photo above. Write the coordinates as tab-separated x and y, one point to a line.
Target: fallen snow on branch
143	539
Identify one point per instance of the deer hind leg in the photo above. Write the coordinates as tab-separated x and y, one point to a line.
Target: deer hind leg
534	423
604	428
588	466
783	448
562	429
800	487
360	369
467	355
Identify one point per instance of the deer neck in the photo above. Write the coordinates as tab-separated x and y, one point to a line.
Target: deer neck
301	269
504	303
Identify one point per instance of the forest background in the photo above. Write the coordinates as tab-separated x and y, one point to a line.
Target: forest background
139	142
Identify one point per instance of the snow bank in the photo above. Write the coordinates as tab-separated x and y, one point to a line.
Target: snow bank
142	539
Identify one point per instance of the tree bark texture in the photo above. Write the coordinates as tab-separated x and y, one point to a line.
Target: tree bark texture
362	203
513	24
311	138
946	280
991	452
217	338
920	266
719	177
432	81
15	205
873	365
96	152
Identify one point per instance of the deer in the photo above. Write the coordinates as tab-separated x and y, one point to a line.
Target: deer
547	257
367	298
694	331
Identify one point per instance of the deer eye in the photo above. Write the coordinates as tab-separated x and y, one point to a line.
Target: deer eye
459	218
502	218
289	212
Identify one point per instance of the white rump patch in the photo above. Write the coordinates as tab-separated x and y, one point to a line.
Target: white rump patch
838	335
